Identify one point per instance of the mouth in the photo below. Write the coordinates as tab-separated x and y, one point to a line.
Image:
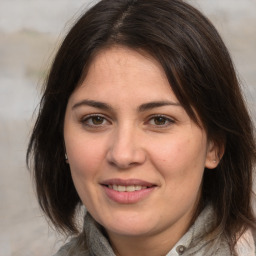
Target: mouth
130	188
127	191
129	185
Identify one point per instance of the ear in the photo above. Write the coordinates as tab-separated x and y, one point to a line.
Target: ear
215	152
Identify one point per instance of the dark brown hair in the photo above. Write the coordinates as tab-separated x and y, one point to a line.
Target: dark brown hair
201	74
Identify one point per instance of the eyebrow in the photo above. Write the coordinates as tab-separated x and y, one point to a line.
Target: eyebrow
92	103
156	104
141	108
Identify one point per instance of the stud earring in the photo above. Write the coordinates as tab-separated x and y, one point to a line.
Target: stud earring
66	157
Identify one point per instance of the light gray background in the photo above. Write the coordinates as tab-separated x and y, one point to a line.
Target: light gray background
30	31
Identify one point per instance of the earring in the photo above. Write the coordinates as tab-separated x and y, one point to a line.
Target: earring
215	161
66	157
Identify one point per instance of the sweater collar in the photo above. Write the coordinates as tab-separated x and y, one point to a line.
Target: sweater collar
194	242
98	244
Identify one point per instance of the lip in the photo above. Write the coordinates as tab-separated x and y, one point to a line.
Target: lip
127	182
127	197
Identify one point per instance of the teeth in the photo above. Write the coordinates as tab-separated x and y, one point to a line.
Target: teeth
139	187
121	188
131	188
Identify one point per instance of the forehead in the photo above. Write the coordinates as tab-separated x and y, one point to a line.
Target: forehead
124	57
120	71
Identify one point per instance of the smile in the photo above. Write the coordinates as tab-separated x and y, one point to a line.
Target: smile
130	188
128	191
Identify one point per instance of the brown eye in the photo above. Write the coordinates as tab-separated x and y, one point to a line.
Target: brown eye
97	120
159	120
94	121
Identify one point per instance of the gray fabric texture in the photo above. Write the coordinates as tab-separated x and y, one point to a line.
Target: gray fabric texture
194	241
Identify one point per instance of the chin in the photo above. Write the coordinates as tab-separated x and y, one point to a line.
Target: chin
128	225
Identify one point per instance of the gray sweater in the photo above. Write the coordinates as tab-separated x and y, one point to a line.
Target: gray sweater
93	242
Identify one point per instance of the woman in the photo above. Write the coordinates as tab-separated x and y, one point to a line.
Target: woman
142	121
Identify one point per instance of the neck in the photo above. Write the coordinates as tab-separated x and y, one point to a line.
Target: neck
148	245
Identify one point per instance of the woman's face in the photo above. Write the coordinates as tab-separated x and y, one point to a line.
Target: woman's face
136	157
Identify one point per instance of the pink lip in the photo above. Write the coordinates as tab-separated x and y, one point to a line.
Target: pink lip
127	197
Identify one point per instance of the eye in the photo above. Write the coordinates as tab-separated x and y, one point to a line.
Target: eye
160	120
94	120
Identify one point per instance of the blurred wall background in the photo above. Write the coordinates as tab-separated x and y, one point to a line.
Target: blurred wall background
30	32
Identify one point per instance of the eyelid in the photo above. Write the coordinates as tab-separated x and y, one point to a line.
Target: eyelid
84	117
88	116
168	118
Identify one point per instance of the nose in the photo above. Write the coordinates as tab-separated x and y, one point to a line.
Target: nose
126	149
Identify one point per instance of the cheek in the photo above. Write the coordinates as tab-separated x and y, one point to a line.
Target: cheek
85	155
170	152
181	165
85	160
180	158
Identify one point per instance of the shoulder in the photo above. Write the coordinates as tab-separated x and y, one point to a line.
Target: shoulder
246	244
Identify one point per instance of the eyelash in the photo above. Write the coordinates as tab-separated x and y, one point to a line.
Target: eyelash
165	119
85	121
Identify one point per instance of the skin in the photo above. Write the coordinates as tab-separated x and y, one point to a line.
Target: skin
128	141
